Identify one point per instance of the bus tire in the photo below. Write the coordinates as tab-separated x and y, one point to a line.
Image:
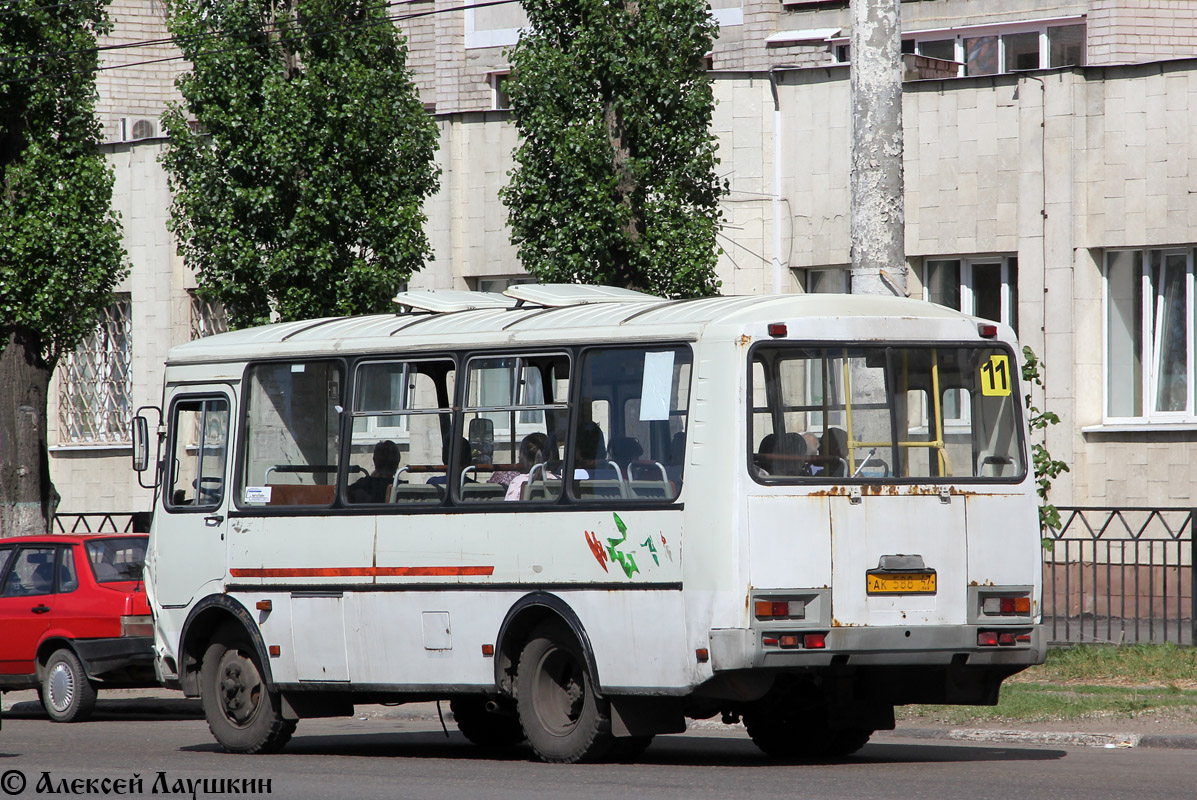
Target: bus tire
66	692
629	748
563	719
781	735
845	742
243	714
485	728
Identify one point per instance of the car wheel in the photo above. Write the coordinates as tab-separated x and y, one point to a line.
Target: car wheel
243	714
562	717
67	694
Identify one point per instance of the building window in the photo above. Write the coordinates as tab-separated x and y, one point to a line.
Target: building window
985	287
208	317
828	281
498	283
95	386
990	50
1149	335
499	101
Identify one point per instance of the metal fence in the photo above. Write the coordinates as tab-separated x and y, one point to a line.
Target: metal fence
1116	575
116	522
1121	575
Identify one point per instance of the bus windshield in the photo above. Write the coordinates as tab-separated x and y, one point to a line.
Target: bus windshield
893	413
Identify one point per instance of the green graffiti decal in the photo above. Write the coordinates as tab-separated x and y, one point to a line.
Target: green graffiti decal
625	560
652	549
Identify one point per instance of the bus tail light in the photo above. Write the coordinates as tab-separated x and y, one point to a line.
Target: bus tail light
999	605
814	641
987	638
766	609
779	609
777	329
137	625
987	330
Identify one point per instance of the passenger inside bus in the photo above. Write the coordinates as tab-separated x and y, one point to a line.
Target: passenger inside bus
373	488
534	453
625	451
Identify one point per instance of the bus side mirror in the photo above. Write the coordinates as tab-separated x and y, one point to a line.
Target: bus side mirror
141	446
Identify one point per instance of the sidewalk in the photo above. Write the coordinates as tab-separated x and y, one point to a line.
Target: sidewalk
1111	732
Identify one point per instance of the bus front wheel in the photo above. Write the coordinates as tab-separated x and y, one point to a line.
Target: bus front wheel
562	717
243	714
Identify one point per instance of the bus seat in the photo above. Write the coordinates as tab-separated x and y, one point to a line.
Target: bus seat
542	490
601	489
651	490
483	492
417	493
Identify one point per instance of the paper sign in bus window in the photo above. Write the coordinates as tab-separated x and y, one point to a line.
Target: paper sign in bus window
655	386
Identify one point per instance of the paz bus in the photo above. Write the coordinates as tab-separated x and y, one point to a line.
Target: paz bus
584	515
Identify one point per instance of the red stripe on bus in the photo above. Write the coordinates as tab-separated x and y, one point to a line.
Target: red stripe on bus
359	572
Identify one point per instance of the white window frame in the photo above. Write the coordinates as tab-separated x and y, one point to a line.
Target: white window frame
1150	334
1039	26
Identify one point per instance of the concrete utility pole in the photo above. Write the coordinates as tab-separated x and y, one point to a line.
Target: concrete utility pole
878	220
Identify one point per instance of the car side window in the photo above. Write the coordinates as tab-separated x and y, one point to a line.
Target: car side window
68	579
32	573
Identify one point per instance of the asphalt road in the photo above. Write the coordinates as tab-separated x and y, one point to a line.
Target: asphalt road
394	755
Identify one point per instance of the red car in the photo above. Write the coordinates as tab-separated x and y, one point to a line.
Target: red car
74	618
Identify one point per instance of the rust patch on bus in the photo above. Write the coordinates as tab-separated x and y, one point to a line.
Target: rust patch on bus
745	340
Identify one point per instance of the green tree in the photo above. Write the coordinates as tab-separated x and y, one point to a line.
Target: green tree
60	241
615	177
1047	469
300	157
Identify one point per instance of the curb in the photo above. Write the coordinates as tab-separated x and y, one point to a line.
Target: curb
1057	738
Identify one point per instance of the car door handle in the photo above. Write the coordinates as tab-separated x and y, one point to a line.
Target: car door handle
40	609
214	520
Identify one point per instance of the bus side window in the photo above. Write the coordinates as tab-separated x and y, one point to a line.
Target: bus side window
399	449
291	448
515	418
200	431
629	443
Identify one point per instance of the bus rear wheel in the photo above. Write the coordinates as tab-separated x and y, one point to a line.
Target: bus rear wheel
485	728
562	717
243	714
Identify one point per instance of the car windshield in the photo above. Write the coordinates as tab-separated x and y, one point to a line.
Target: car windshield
119	559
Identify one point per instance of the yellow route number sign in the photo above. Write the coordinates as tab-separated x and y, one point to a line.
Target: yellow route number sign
995	376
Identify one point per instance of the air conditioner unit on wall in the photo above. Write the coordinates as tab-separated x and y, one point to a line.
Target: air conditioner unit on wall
133	129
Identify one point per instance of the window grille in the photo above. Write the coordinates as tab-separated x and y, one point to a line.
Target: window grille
95	385
208	317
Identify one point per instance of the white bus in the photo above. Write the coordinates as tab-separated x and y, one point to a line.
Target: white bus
584	515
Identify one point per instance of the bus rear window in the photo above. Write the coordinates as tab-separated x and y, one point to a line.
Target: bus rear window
889	413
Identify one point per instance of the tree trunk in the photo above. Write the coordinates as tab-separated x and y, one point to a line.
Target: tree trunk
27	496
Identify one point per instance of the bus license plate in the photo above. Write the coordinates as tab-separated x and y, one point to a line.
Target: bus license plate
901	582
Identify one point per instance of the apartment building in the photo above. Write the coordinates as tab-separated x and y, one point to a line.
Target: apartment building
1051	177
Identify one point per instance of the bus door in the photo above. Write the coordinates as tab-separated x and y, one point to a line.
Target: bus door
899	559
190	526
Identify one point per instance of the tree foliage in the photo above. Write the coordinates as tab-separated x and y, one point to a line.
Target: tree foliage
1047	469
60	241
300	158
615	177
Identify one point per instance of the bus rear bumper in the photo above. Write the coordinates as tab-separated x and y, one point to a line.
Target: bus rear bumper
739	648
